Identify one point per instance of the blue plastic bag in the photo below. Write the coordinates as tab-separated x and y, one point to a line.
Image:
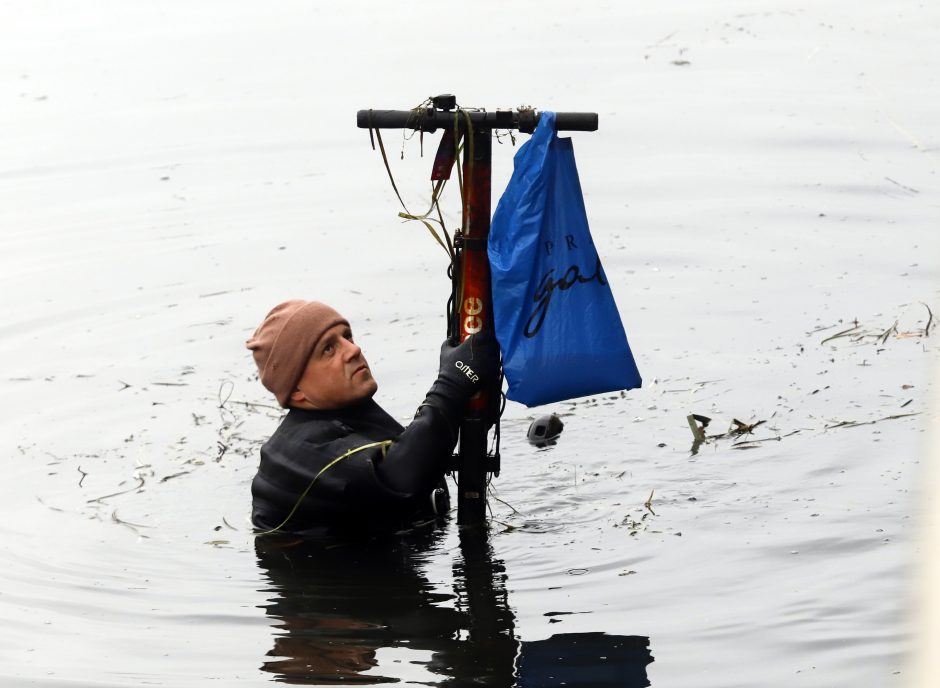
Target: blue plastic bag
555	317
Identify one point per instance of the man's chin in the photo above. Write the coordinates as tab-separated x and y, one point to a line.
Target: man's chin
369	388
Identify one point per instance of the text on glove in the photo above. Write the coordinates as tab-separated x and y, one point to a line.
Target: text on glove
467	370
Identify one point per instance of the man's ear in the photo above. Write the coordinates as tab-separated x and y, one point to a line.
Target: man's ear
297	396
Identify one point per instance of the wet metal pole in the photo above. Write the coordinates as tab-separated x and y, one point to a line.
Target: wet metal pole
472	272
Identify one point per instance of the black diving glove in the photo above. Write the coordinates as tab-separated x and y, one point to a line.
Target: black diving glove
465	369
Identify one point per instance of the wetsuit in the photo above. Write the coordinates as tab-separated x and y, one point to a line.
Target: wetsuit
374	488
387	474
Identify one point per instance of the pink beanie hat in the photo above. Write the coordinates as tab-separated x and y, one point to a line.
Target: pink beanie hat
283	342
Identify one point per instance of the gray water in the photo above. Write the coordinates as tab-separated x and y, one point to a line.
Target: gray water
764	177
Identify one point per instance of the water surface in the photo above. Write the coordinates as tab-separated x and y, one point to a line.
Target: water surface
764	178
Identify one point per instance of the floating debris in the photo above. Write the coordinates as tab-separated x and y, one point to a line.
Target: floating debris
698	432
858	334
843	333
743	428
634	525
857	423
49	506
698	423
544	431
174	475
132	526
140	484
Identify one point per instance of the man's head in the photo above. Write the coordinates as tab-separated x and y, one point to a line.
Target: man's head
306	356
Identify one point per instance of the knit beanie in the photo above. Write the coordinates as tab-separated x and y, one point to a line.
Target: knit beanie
283	342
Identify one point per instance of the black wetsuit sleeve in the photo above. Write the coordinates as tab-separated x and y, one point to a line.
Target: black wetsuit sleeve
416	461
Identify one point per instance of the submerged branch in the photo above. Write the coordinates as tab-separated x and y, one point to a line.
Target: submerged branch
139	485
855	423
127	524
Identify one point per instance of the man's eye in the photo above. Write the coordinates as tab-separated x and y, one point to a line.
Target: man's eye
328	349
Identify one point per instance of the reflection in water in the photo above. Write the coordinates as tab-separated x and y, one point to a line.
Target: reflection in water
487	644
585	660
337	605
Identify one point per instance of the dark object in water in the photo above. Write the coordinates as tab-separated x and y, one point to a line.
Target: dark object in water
545	430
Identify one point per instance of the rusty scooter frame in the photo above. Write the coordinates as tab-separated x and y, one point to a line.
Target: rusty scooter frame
472	307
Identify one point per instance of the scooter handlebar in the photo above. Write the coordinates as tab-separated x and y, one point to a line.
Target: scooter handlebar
430	119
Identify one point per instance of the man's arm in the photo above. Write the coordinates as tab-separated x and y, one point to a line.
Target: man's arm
416	461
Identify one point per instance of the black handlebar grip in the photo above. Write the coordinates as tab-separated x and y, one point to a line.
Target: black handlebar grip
387	119
576	121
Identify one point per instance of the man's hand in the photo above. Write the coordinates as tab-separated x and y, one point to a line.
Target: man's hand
471	364
465	369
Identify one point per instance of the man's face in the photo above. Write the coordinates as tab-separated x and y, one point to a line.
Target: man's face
336	375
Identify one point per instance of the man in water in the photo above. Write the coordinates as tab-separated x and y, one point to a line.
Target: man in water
338	460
